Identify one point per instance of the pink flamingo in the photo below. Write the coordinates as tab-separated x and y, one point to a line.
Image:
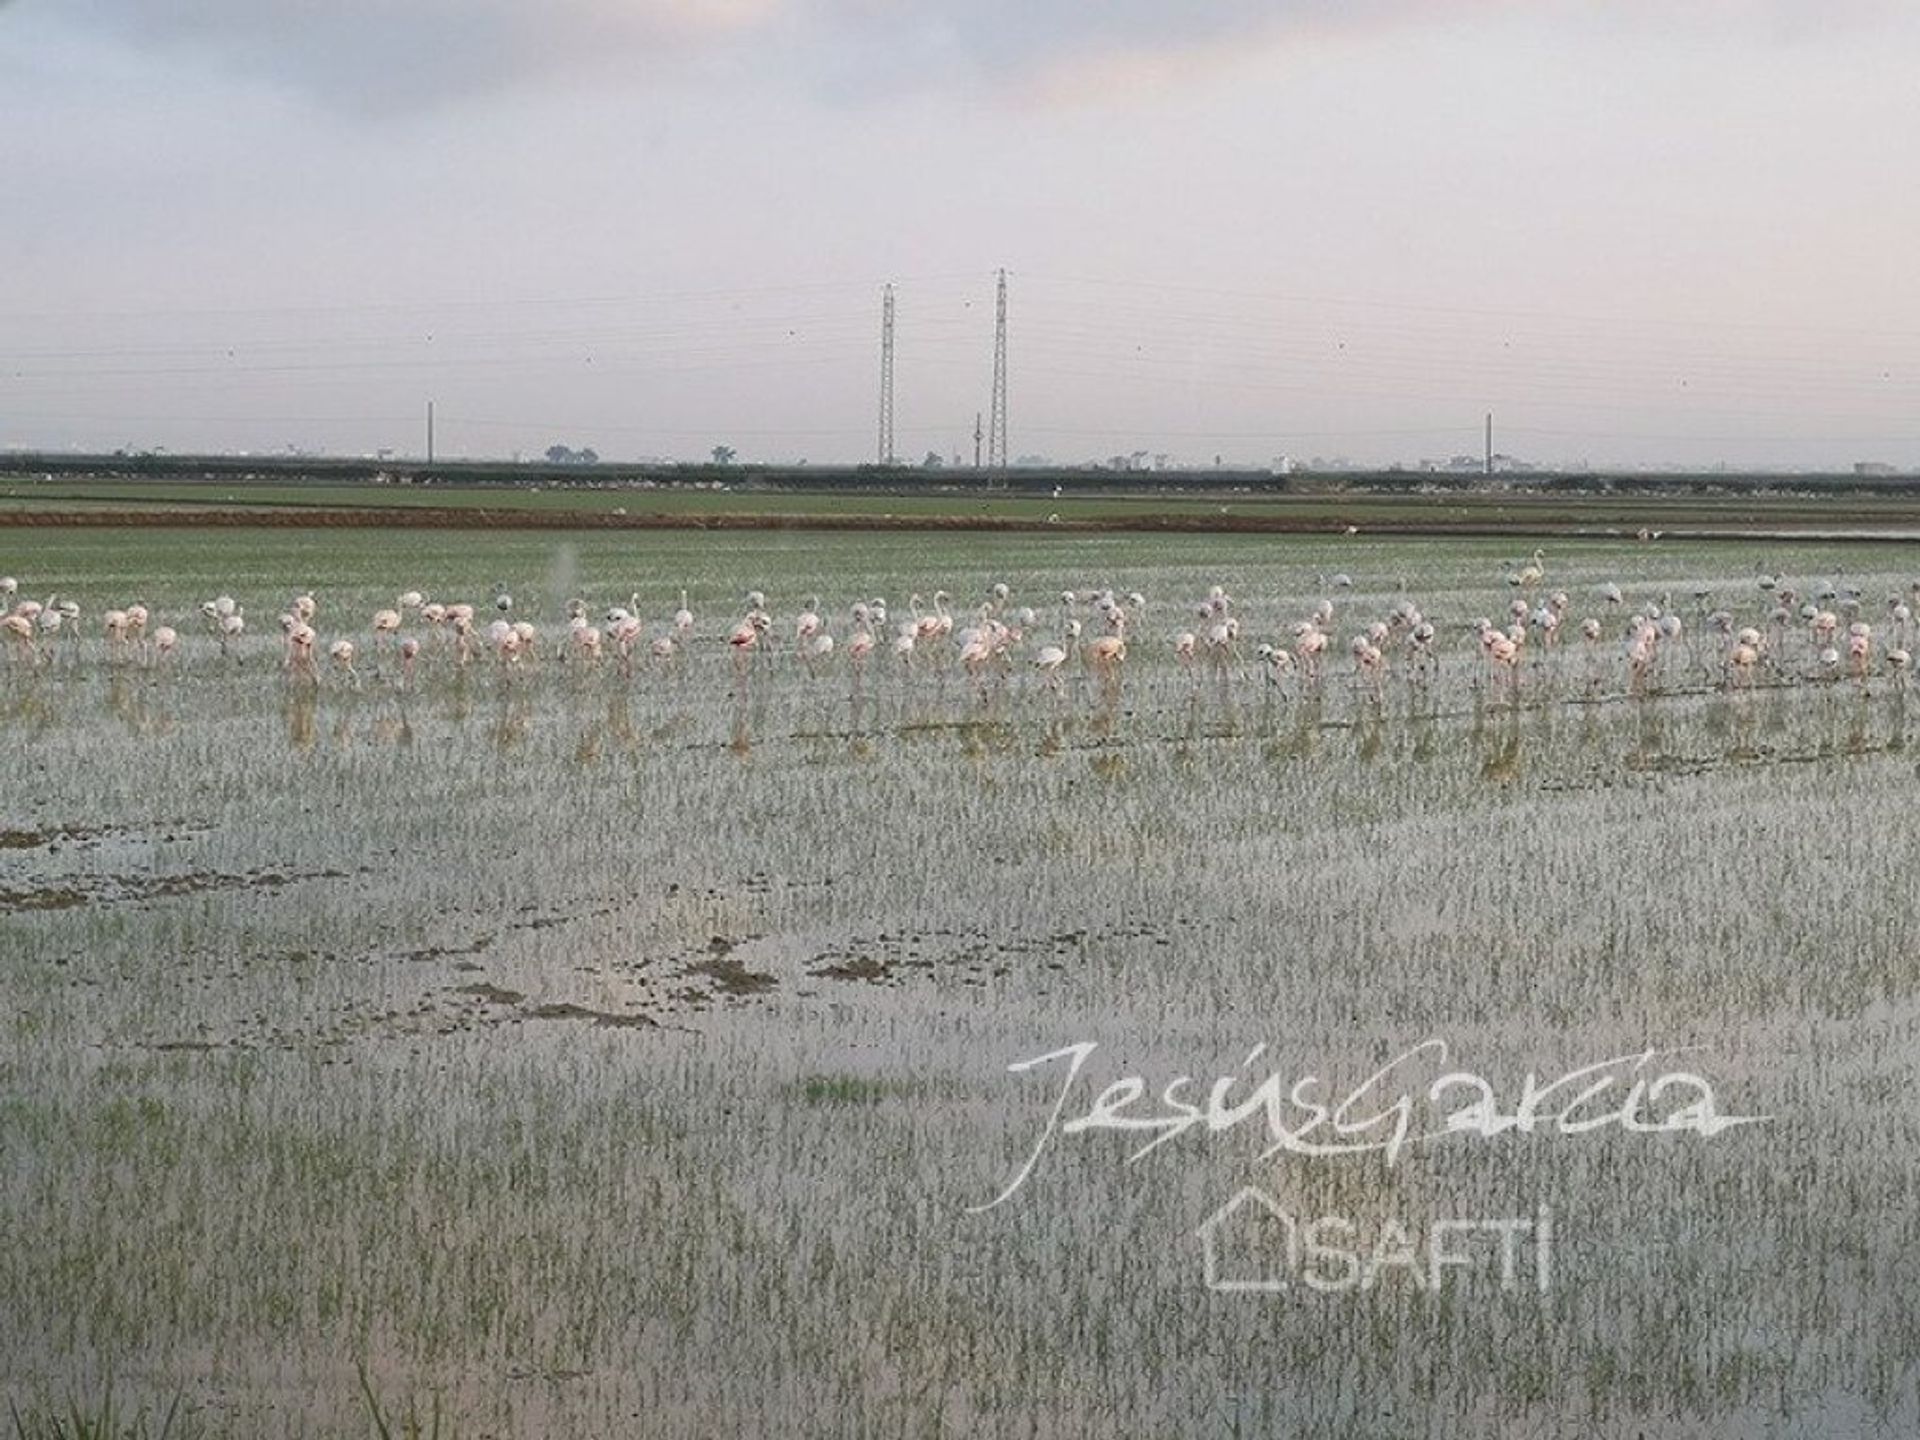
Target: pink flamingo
385	623
1104	657
1860	649
19	632
299	653
743	641
341	653
1276	662
1048	660
817	651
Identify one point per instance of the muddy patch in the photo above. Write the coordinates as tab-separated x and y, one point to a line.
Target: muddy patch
45	897
492	994
867	968
457	953
51	837
119	890
731	977
511	1007
55	838
200	882
606	1019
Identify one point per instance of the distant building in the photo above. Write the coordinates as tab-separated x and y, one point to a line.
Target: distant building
1873	467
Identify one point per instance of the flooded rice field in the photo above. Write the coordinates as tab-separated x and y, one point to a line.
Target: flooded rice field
612	1039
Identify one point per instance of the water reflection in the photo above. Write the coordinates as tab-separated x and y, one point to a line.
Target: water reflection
993	718
300	711
512	717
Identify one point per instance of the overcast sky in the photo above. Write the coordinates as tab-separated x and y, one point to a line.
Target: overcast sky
1637	230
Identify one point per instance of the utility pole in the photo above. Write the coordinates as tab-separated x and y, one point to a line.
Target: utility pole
1489	442
886	456
997	423
976	439
429	432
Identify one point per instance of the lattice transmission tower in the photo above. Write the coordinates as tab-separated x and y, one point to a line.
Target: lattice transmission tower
997	411
885	454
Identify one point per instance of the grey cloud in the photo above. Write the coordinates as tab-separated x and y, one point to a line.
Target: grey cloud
401	54
1024	35
396	54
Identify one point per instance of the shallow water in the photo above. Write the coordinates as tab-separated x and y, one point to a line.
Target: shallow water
600	1054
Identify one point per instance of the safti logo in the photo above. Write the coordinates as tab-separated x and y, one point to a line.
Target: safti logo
1253	1245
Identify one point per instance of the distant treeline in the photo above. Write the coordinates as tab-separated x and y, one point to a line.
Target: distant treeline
904	480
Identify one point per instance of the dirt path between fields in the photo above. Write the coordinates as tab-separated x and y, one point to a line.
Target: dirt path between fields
1845	527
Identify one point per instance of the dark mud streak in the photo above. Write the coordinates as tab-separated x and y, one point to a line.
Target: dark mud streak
855	967
731	977
562	1010
492	994
54	837
161	887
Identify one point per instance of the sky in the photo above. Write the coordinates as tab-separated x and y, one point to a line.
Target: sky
1639	232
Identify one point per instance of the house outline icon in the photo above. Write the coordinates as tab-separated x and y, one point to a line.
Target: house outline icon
1209	1229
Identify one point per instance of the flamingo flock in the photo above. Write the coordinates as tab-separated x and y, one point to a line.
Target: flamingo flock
1775	634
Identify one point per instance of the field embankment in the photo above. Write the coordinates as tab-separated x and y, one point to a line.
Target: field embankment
149	492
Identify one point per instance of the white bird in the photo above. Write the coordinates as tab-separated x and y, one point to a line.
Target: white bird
1047	660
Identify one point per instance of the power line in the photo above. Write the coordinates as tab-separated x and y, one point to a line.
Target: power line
542	302
1479	311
